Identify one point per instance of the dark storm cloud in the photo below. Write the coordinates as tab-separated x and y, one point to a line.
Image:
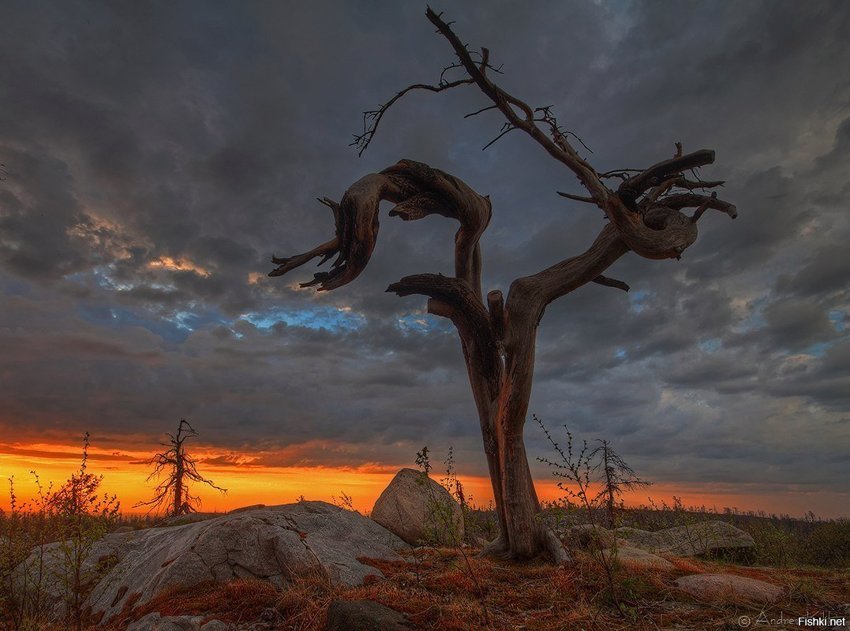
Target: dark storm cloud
826	271
796	324
157	154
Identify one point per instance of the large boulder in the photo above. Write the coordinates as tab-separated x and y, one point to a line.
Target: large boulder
708	537
277	544
48	566
725	589
419	510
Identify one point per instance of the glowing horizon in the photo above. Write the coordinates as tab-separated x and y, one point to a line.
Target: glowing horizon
125	474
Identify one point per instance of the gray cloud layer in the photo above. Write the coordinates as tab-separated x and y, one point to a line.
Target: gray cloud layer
156	154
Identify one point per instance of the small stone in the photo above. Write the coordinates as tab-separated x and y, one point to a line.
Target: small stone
364	615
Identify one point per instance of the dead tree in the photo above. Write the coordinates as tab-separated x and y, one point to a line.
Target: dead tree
616	476
176	470
643	215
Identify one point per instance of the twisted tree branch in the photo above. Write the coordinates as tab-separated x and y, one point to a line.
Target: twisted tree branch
418	191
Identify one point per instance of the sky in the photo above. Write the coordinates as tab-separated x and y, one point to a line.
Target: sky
156	155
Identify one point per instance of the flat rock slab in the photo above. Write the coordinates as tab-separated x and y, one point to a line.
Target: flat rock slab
691	540
640	559
723	589
364	615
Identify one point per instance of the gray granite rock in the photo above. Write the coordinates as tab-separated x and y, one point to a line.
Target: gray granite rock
690	540
589	536
419	510
275	543
50	566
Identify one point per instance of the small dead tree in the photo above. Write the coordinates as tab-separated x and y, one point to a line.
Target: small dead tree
176	470
643	214
616	476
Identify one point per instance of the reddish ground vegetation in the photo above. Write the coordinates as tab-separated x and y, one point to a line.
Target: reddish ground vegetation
242	600
437	591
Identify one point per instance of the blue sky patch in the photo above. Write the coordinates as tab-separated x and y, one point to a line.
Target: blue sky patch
329	318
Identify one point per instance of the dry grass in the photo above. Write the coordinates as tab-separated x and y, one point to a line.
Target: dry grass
240	600
436	591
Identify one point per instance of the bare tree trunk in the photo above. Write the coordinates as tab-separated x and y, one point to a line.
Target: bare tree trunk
500	373
178	484
524	529
524	534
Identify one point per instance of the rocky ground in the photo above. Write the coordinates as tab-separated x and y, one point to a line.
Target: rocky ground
454	590
314	566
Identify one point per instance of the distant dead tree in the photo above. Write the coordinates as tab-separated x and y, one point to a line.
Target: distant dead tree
177	470
616	477
643	215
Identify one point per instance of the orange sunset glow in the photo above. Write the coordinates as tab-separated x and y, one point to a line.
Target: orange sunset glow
125	474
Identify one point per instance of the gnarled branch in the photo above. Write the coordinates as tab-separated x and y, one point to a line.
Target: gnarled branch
659	233
418	191
529	296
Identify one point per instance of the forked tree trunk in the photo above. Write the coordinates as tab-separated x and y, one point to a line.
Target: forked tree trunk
525	533
502	416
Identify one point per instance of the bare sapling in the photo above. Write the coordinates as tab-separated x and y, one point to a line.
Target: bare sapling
176	471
